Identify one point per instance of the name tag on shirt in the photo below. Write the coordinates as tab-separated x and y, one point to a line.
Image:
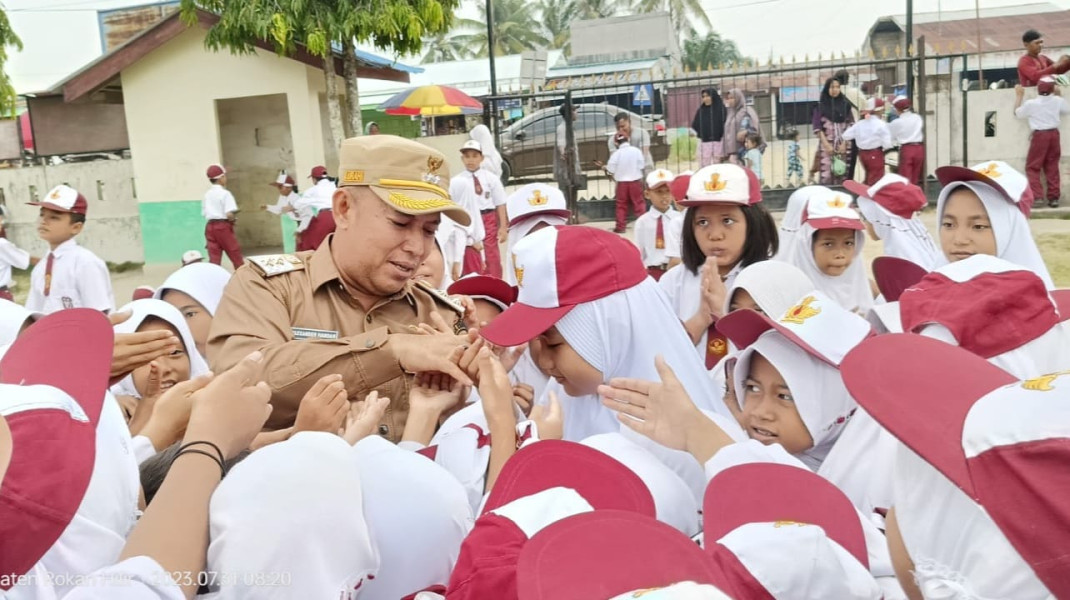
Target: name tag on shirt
302	333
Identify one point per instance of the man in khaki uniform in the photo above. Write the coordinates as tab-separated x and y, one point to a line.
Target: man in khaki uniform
350	307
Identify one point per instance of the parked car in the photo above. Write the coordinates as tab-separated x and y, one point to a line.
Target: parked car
527	146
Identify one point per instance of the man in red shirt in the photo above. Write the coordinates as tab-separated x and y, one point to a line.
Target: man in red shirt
1033	65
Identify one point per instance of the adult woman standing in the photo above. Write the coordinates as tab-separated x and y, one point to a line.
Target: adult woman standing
708	125
831	118
740	120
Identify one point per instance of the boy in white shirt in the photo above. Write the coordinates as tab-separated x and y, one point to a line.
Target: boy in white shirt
315	221
70	276
908	134
482	195
220	209
653	227
871	135
626	167
1044	113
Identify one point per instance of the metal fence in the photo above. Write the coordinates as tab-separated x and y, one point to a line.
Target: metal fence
784	96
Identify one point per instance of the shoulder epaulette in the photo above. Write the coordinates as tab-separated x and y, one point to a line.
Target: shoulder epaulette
440	296
276	264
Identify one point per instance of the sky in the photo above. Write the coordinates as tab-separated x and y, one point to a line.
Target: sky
60	36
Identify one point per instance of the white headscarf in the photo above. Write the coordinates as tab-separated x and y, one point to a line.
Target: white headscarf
492	161
775	286
292	509
519	231
958	551
851	289
1014	240
204	282
143	309
620	334
418	515
820	395
903	238
1040	356
12	318
792	219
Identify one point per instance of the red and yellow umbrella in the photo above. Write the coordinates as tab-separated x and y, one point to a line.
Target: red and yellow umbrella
431	101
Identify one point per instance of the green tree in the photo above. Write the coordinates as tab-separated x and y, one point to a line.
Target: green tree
325	28
8	39
516	29
596	9
684	14
557	17
444	47
712	49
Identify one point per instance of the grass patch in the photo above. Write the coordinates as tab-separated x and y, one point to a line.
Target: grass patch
1058	215
1055	248
124	267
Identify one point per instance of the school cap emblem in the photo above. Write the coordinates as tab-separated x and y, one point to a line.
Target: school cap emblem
802	311
537	199
519	272
715	184
837	202
434	163
1045	383
55	195
992	170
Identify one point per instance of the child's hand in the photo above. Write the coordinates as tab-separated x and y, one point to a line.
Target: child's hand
133	350
267	438
468	360
478	246
495	391
434	394
363	417
712	290
324	406
145	406
524	397
550	421
232	409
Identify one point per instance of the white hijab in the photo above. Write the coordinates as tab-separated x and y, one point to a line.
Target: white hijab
1014	240
1040	356
492	161
143	309
792	219
775	286
903	238
418	515
851	289
820	395
519	231
12	318
204	282
294	509
620	334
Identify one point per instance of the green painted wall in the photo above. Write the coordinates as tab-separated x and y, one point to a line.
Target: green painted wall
170	228
392	124
289	226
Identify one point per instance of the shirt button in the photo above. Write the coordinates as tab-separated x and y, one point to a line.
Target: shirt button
368	318
369	344
384	430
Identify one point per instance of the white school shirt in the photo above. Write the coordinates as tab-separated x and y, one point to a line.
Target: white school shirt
682	287
674	238
218	201
870	133
646	230
639	139
11	256
1043	112
907	129
283	202
463	192
79	280
626	164
493	194
315	199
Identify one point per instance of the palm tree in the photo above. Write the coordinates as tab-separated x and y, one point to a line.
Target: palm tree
516	29
557	17
444	47
710	50
684	14
8	39
597	9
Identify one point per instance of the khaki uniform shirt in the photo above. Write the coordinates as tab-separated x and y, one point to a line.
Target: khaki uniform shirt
296	311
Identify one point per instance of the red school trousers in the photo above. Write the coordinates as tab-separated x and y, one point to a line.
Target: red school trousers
490	243
629	193
318	229
472	262
219	238
873	163
911	160
1043	157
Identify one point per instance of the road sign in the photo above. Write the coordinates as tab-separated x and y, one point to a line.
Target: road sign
643	95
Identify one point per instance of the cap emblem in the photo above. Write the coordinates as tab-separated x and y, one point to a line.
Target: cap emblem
715	184
537	199
992	170
519	271
837	202
434	163
1043	384
802	311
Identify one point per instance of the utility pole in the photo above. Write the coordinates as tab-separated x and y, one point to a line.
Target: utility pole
909	45
493	75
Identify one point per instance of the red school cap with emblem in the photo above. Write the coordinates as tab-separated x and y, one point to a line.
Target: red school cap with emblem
485	287
53	382
64	198
679	186
816	323
828	209
996	174
1005	443
895	275
893	193
558	268
723	184
215	172
318	172
536	199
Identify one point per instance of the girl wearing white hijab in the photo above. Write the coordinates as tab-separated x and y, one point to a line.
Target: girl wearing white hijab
890	208
492	160
792	219
195	290
977	218
14	319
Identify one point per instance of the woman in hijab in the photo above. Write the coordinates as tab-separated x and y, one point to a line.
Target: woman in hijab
492	160
740	119
371	128
831	118
708	125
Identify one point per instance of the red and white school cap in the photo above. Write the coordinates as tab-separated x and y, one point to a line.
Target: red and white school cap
605	553
191	256
997	174
556	269
484	287
679	186
535	199
828	209
318	172
1005	443
874	103
64	199
816	323
989	305
1046	85
54	380
893	193
659	177
215	172
901	103
783	532
722	184
143	292
284	179
894	275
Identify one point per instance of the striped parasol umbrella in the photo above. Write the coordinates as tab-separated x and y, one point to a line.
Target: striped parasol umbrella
431	101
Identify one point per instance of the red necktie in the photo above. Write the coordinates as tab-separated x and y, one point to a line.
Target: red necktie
659	235
716	346
48	274
479	187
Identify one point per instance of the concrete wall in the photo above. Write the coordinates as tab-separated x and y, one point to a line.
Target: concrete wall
623	38
112	230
